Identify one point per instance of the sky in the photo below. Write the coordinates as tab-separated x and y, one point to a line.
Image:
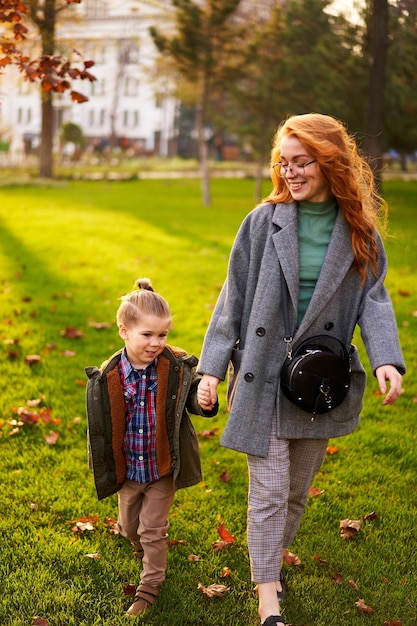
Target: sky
345	6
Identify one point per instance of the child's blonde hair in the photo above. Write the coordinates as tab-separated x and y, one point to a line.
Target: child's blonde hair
142	301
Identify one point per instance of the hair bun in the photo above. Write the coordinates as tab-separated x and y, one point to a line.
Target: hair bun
145	284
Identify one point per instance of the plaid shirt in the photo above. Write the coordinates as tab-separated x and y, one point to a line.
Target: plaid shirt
139	446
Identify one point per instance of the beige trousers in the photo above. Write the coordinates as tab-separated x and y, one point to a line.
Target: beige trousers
143	520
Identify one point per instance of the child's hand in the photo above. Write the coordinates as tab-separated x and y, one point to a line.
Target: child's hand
207	392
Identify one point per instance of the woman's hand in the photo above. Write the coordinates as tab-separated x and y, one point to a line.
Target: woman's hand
390	373
207	391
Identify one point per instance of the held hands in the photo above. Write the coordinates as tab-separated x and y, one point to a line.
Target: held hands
207	391
390	373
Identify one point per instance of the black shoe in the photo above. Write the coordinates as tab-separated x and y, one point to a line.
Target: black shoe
273	620
283	593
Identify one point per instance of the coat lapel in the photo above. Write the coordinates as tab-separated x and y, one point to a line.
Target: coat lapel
337	262
286	246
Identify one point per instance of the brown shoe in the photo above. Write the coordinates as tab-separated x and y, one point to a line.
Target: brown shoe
145	597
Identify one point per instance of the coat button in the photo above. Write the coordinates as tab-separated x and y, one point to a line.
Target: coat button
249	377
329	326
260	331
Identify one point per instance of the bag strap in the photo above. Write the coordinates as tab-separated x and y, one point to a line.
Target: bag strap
288	337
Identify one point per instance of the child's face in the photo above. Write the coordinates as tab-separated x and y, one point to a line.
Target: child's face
145	340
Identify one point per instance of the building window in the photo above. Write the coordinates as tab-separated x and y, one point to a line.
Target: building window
130	119
131	89
91	117
98	87
102	117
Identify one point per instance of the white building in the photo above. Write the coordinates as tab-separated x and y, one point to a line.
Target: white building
125	107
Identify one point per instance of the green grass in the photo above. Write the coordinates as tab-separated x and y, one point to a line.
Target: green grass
68	252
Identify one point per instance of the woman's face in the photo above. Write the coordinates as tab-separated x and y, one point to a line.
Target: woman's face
303	184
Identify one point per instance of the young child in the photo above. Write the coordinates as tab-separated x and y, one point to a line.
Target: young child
141	440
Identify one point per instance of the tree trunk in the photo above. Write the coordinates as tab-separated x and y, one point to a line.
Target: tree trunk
202	144
47	133
378	42
44	16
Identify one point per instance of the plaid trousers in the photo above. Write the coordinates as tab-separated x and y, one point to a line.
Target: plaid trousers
278	492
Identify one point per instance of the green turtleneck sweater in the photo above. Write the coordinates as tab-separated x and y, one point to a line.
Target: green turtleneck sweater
315	225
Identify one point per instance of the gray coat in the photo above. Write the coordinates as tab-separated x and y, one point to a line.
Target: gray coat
247	328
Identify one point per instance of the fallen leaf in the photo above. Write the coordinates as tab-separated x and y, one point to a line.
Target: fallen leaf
52	438
226	573
208	433
193	558
112	525
332	450
349	528
32	359
314	492
214	590
225	534
27	417
221	545
318	558
353	584
35	402
338	578
72	333
99	325
291	559
225	477
68	353
393	622
363	607
404	293
82	526
38	621
178	542
92	555
372	515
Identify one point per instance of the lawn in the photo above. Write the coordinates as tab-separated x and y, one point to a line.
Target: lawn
68	252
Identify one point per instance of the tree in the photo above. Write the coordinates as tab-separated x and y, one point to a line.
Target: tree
298	59
377	27
204	37
53	72
400	128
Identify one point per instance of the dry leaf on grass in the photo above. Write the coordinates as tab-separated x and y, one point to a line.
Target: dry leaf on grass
33	359
363	607
349	528
226	573
291	559
214	590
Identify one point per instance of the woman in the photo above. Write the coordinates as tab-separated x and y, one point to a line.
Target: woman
317	229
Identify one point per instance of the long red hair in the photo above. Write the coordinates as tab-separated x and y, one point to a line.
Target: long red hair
348	174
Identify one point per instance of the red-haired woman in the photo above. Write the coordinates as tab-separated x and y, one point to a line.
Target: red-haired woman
317	232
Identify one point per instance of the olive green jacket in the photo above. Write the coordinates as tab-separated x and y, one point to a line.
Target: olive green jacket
177	450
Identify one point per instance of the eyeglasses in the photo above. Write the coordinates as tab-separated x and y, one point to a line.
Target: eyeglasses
294	168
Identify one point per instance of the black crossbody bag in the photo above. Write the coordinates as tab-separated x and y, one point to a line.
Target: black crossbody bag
315	375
